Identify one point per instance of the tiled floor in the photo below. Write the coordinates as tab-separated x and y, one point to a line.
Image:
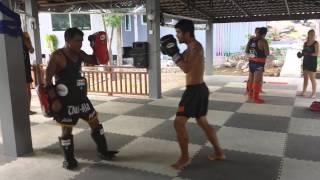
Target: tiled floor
276	140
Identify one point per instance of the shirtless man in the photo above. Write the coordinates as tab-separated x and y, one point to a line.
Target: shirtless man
68	97
194	102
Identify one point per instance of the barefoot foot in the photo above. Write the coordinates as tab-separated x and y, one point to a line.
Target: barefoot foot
181	163
215	157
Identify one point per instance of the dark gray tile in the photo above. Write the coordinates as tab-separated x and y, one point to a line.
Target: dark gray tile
231	90
166	131
106	171
276	100
82	124
259	122
237	166
86	148
153	111
304	112
224	106
96	102
33	123
132	100
303	147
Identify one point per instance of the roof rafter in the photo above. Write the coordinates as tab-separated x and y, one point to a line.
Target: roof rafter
239	7
287	6
203	12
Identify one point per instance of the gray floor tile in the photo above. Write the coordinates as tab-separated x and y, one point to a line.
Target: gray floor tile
237	166
304	112
103	171
279	86
299	169
303	147
232	90
166	131
132	100
85	147
177	92
224	106
259	122
153	111
276	100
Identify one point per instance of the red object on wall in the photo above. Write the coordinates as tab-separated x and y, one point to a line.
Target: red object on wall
101	47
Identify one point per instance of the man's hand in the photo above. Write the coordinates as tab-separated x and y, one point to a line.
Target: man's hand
168	46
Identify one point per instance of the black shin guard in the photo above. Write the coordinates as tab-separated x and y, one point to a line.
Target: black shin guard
66	144
102	147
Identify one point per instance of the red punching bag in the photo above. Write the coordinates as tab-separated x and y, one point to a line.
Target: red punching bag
101	48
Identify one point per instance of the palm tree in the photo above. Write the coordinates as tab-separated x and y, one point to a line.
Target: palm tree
114	21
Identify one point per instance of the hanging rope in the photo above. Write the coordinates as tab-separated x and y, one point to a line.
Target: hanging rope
10	27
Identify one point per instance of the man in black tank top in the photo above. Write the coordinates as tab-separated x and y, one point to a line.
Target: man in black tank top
68	96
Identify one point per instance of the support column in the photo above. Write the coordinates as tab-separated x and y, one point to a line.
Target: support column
31	8
153	30
14	116
209	51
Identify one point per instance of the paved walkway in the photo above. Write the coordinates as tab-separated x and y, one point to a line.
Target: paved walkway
276	140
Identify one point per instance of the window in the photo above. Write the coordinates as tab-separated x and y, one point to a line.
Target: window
60	22
81	21
143	19
127	21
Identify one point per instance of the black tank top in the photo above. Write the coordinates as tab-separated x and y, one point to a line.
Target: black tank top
254	49
309	49
71	71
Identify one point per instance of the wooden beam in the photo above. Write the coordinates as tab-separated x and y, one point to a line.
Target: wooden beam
239	7
267	18
287	6
203	12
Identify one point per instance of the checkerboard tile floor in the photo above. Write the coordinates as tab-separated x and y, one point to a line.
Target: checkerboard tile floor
276	140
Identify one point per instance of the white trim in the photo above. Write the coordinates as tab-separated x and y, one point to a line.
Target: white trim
125	23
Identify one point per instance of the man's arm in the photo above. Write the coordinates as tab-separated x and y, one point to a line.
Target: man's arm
193	53
266	48
51	69
89	59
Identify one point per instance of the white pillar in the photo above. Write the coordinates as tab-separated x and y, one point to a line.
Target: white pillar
14	116
209	51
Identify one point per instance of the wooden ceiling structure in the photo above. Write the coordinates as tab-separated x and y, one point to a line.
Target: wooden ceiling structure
217	11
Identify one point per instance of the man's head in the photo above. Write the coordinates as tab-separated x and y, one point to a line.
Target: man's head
263	32
256	31
184	30
73	38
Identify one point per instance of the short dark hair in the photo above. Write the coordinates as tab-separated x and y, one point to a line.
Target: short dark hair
71	33
263	31
185	26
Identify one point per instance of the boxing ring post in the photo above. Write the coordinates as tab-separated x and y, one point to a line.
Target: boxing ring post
209	49
14	116
153	30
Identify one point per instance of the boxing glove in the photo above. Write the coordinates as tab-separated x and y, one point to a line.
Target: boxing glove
168	46
299	55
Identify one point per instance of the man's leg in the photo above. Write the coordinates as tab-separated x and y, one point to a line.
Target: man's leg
249	85
212	137
28	88
257	83
66	143
183	141
305	83
97	134
312	76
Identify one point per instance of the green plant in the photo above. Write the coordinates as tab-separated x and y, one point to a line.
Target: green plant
51	42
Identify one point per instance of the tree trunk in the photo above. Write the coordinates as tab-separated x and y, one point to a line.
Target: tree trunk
119	47
110	49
